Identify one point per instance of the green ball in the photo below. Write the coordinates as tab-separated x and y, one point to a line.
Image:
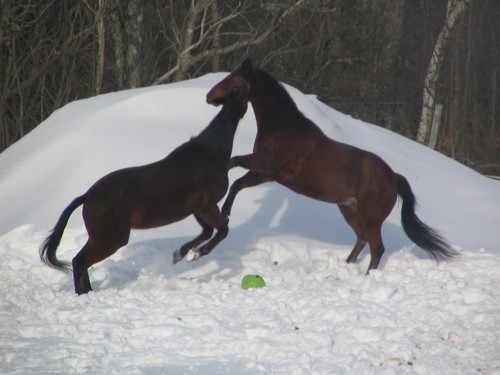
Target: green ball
252	281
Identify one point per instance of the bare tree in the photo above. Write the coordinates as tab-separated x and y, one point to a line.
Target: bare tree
39	44
118	44
368	59
134	30
200	29
101	42
430	118
101	47
127	28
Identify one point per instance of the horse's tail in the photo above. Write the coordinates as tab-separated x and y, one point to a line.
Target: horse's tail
49	246
420	233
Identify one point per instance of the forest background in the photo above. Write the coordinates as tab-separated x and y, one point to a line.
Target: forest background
427	69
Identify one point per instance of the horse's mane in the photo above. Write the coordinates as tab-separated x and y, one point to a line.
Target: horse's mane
285	108
268	86
220	131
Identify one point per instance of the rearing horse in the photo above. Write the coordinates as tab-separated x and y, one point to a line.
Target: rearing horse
291	150
188	181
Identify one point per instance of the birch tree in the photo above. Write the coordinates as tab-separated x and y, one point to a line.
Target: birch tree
430	118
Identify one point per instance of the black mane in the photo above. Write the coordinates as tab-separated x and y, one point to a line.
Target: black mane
219	134
266	85
284	106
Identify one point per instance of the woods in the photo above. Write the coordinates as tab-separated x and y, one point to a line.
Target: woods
426	69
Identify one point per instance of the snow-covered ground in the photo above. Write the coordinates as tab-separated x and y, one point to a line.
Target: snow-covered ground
317	315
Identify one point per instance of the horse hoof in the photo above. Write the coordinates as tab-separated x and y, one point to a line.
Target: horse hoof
177	257
192	255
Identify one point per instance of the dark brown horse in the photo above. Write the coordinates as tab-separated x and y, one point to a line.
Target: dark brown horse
291	150
190	180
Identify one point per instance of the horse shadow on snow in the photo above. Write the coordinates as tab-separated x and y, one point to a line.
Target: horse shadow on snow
301	217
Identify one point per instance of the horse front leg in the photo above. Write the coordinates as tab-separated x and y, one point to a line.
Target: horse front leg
206	233
213	218
248	180
214	241
257	163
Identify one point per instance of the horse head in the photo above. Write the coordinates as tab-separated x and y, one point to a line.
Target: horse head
238	82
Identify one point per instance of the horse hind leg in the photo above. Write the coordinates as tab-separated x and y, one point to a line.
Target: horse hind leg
93	252
364	230
349	209
358	247
376	247
81	264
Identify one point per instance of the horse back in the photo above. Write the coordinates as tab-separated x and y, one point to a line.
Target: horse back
162	192
312	164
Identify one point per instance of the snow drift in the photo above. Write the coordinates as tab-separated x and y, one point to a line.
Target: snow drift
316	315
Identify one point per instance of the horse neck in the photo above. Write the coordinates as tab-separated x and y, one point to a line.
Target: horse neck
219	134
271	103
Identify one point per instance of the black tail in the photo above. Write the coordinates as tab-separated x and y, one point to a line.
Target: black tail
420	233
49	246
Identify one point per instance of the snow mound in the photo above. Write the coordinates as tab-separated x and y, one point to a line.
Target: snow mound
317	315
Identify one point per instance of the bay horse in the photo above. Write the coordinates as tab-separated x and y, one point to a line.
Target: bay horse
190	180
293	151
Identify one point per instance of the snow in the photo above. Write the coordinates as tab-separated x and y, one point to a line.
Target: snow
317	315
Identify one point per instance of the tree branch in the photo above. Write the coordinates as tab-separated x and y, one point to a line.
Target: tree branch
185	59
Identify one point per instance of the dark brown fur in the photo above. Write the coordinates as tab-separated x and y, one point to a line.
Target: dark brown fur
189	181
291	150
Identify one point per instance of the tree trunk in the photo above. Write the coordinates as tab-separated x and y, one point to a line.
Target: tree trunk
216	39
118	45
134	30
454	9
436	124
100	47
